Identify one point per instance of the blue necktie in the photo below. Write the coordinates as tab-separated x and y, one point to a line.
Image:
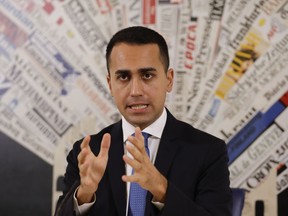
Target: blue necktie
137	201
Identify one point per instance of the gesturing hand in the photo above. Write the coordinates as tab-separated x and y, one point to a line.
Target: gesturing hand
145	173
91	168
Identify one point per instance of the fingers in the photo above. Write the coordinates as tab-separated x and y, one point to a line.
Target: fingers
85	149
140	162
105	145
137	140
138	133
137	154
135	164
131	178
85	142
136	148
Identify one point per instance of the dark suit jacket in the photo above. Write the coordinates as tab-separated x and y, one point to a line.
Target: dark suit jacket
194	162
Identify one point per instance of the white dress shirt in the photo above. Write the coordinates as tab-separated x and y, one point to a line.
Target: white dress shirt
155	130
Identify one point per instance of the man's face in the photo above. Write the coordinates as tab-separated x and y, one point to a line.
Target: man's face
138	82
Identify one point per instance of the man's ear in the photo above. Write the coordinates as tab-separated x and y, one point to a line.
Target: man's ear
108	78
170	78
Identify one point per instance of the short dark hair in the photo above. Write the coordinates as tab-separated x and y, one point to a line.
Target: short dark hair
139	35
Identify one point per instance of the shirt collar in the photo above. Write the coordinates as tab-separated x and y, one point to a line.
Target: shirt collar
155	129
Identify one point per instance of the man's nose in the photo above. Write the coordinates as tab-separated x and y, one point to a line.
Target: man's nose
136	87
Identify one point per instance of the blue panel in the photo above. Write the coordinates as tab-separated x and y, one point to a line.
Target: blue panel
252	130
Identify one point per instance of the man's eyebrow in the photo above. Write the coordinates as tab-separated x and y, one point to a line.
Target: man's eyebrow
121	71
140	70
146	69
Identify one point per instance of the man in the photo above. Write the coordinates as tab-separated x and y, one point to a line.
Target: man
186	170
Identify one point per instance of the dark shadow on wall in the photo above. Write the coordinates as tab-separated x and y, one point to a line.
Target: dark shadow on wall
25	181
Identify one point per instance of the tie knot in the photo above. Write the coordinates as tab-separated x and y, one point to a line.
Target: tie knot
146	135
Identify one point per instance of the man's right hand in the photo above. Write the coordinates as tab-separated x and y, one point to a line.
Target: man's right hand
91	168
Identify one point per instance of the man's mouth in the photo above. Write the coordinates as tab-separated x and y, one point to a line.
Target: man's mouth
138	106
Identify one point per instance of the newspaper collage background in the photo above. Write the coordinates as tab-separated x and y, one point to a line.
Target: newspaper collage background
231	74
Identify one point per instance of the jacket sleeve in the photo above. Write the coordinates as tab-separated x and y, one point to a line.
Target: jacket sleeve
212	195
65	204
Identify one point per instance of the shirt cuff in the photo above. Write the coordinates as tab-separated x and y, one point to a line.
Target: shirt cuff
158	205
84	208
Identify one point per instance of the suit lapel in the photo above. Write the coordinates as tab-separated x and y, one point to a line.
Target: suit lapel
116	168
167	147
166	153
